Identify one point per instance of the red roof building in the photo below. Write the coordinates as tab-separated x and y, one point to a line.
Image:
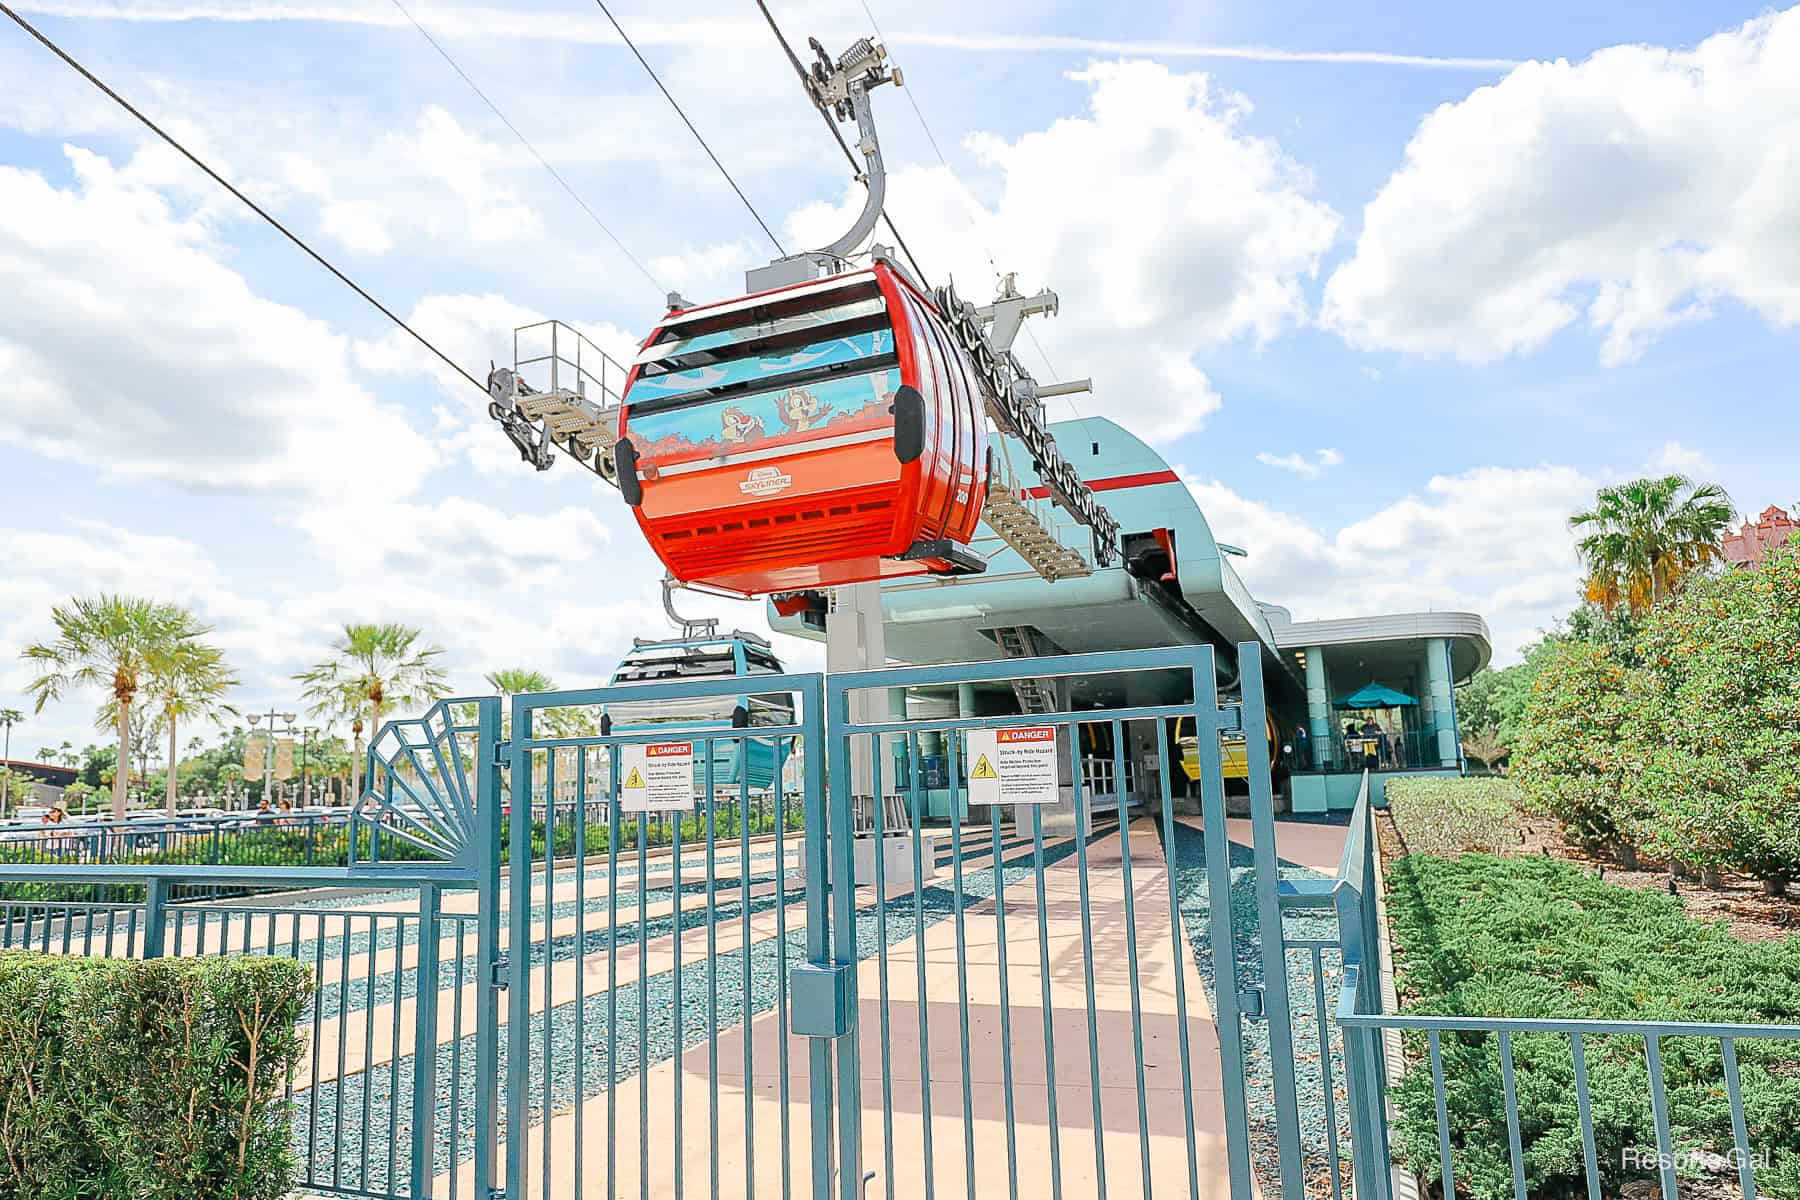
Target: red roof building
1773	527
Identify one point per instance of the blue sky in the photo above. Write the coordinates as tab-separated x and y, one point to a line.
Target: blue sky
1395	285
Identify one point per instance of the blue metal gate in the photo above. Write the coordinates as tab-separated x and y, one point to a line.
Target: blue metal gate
657	961
1069	866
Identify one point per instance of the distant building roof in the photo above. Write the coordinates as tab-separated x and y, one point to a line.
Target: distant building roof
1772	527
43	772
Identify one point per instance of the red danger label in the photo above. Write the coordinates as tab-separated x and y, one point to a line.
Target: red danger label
669	749
1038	733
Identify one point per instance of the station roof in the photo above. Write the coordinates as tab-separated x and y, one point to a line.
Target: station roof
1390	640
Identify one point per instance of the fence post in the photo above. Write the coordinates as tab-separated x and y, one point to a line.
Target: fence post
425	1023
156	916
489	1171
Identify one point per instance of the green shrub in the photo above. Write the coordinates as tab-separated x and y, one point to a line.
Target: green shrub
147	1080
1715	729
1570	759
1437	815
1537	936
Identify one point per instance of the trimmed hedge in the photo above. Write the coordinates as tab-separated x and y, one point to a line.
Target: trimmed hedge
1437	815
147	1080
1538	936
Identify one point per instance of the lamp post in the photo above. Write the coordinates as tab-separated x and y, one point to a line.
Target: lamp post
286	719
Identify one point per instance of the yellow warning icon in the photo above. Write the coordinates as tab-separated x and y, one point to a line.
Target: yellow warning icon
983	769
634	780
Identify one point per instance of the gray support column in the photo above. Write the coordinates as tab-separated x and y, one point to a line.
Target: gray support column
1439	699
856	640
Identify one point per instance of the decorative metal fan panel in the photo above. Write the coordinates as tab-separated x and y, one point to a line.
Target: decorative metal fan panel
419	797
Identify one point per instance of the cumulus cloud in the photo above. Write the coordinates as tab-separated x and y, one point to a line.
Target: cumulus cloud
1301	464
1684	460
1493	540
1180	230
457	539
129	345
1634	191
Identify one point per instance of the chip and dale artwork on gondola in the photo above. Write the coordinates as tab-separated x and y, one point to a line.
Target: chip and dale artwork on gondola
831	405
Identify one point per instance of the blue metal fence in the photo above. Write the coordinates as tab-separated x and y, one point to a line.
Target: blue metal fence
552	1000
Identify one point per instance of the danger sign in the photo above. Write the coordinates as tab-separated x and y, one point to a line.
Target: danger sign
1013	766
657	777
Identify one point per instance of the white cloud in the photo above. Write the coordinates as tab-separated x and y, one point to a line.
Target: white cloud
1299	463
129	345
709	271
1492	540
1179	230
1633	190
1684	460
457	540
469	168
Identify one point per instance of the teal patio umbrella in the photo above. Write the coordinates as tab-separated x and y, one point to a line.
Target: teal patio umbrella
1375	695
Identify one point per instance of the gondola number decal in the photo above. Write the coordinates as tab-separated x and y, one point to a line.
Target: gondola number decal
1013	766
766	481
657	777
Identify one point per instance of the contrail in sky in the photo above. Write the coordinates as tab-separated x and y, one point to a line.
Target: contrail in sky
477	22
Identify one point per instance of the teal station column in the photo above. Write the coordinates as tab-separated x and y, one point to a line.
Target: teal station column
1439	701
965	707
1318	704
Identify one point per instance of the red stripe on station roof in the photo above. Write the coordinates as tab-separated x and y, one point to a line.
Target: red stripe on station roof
1143	479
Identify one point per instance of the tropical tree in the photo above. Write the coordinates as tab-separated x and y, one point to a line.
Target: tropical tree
107	641
518	681
1642	538
373	668
1715	733
189	681
8	717
1571	757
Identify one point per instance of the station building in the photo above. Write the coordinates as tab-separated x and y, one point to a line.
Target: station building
1345	693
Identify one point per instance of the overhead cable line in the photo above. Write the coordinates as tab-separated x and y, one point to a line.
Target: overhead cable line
524	141
651	71
986	250
219	179
925	125
849	156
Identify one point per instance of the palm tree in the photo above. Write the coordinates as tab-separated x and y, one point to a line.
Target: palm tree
372	668
8	717
188	680
107	641
517	681
1642	538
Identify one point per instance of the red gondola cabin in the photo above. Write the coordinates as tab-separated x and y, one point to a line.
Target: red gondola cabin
816	435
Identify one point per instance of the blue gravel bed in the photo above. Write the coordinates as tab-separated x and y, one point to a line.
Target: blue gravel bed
1195	908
